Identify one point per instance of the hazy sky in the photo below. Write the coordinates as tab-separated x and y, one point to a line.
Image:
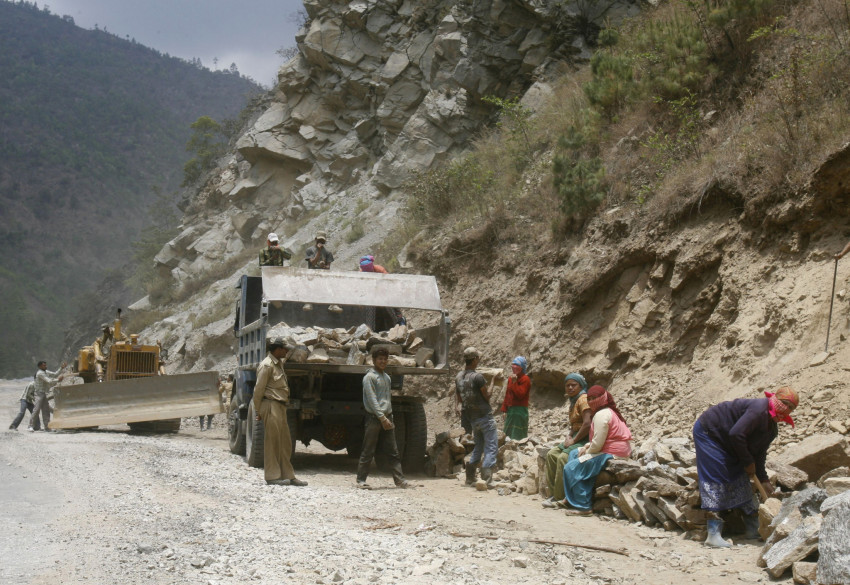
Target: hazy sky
247	33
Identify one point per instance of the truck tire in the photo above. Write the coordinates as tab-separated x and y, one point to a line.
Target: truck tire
235	428
415	439
254	435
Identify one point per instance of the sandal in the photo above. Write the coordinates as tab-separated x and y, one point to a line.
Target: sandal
577	512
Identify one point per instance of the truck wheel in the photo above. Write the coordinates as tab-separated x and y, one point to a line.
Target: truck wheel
254	435
235	432
415	439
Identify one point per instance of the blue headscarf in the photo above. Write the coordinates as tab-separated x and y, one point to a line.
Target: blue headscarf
582	382
521	362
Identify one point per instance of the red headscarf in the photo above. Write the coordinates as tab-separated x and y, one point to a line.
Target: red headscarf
599	398
778	403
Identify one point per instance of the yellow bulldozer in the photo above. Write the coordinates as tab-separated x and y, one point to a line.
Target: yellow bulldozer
124	381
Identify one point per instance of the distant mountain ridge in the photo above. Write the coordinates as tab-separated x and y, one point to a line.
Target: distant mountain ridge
91	126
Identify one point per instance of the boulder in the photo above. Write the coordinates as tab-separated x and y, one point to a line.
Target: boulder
788	476
804	573
837	472
818	454
834	547
795	547
836	485
767	512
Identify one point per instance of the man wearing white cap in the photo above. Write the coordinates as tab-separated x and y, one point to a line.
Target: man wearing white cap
273	254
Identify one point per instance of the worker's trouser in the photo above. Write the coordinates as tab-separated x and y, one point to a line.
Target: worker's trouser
375	437
277	444
556	458
24	407
42	407
486	442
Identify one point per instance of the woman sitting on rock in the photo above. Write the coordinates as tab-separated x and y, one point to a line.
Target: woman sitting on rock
575	388
609	437
515	404
731	440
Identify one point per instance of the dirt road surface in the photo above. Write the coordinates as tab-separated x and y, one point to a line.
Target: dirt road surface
113	508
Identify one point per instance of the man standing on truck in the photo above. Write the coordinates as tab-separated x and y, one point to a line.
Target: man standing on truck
379	429
271	397
473	395
44	381
273	254
318	256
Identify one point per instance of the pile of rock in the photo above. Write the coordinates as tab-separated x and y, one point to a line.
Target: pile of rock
317	345
660	488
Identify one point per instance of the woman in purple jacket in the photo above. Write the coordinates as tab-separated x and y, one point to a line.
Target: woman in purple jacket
731	441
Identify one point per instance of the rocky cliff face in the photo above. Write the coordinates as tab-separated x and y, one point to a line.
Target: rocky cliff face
724	295
381	89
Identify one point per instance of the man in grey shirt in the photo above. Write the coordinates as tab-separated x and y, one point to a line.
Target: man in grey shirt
473	395
379	431
27	403
44	381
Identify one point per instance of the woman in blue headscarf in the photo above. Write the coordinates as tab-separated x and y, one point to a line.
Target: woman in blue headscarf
515	404
575	389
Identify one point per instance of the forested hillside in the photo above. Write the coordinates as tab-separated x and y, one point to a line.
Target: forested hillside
92	127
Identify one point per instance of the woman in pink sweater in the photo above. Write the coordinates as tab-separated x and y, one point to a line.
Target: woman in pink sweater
609	437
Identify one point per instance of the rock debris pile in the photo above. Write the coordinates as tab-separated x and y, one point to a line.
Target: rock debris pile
807	531
317	345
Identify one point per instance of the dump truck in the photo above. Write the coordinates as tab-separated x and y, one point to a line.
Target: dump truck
129	385
315	309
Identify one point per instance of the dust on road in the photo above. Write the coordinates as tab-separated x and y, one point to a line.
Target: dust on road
108	507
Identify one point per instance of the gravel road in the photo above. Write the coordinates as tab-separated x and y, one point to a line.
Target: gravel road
113	508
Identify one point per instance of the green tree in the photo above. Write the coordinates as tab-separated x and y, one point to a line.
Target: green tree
208	142
578	177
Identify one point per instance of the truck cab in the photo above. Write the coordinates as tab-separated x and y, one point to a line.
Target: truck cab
326	398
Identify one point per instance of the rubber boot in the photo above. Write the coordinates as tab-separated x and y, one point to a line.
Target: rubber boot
714	538
470	474
751	526
487	475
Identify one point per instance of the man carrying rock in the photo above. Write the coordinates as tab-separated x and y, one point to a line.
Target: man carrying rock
44	381
273	254
379	429
271	397
473	395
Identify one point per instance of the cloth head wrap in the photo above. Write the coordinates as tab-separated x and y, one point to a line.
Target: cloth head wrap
367	263
576	377
521	362
599	398
777	404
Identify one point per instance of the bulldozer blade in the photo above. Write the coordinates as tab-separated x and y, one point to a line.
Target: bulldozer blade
136	400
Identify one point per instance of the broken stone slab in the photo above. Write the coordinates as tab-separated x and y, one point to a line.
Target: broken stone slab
663	454
627	504
767	512
660	485
671	511
415	344
818	454
424	354
837	472
656	512
834	546
795	547
836	485
355	356
318	356
687	456
624	470
405	362
788	476
835	501
804	573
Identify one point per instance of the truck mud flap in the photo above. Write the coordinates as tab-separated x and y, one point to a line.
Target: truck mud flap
137	400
